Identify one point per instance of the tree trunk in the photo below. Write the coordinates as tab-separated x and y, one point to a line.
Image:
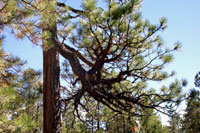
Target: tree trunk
51	94
98	121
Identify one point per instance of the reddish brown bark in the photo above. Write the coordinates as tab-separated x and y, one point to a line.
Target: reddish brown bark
51	95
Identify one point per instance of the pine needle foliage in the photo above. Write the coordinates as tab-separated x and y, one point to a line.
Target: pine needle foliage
20	96
111	52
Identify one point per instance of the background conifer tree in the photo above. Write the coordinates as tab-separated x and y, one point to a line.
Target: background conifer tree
191	117
20	96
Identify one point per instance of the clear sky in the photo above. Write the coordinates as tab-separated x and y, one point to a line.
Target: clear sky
183	25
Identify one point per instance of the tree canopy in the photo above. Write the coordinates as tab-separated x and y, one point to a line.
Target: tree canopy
20	96
111	54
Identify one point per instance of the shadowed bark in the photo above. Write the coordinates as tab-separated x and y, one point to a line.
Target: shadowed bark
51	95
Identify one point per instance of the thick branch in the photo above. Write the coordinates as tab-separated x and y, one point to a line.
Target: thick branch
78	54
71	57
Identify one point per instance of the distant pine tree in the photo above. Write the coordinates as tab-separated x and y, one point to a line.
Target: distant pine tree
20	96
191	123
197	80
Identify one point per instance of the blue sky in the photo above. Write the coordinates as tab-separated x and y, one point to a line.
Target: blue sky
183	25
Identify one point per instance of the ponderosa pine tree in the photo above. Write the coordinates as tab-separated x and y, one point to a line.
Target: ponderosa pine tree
151	123
20	91
197	80
174	121
25	17
111	54
20	96
191	123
